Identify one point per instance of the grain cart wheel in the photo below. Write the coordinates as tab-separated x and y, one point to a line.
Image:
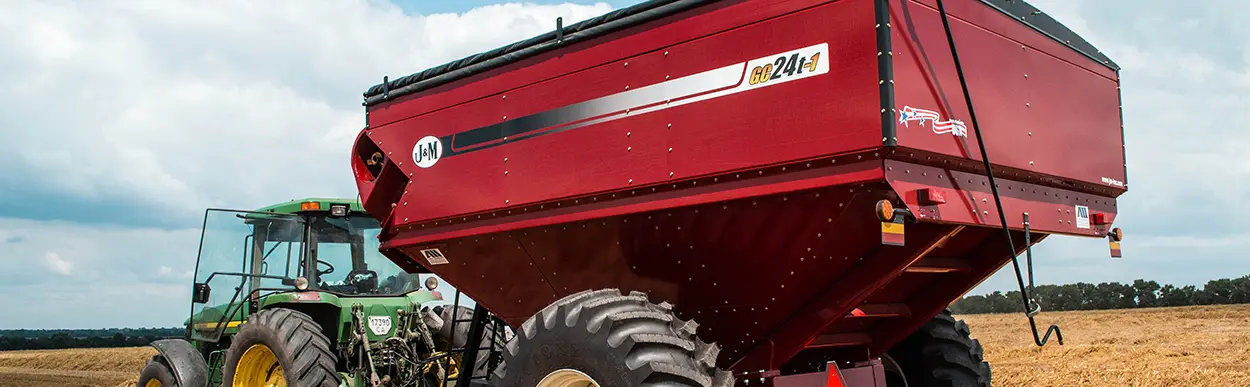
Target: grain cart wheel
941	353
156	374
603	339
280	347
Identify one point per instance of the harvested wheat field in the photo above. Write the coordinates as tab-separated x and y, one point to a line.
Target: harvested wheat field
1183	346
104	367
1188	346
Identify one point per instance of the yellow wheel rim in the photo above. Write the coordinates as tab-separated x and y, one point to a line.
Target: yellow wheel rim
258	367
152	383
567	378
453	366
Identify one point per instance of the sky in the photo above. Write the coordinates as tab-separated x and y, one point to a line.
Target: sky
121	121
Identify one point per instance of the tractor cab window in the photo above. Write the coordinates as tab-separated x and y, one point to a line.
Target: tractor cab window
233	246
348	261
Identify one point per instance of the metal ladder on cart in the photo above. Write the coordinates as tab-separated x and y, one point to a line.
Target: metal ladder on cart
469	352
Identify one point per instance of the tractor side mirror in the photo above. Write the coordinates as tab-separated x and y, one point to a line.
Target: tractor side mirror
200	293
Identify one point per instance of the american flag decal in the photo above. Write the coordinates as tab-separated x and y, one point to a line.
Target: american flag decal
910	114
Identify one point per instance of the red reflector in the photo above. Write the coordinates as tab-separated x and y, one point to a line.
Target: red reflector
835	376
930	196
1100	218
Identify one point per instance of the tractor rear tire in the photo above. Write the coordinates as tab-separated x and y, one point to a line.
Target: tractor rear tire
442	330
605	339
942	353
156	374
280	343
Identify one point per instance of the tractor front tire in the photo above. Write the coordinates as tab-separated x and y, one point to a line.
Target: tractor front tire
605	339
942	353
156	374
276	344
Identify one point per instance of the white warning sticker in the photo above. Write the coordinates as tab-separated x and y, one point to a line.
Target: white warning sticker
1082	217
434	256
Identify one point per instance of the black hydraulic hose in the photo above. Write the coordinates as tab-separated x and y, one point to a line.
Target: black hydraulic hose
998	203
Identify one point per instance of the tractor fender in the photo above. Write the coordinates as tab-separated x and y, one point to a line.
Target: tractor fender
184	360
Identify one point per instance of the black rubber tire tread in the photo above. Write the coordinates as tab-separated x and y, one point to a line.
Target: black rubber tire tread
158	370
942	353
302	350
618	340
444	334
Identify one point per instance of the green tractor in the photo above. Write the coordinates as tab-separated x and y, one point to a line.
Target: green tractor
297	294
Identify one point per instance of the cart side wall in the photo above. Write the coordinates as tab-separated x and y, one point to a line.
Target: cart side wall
672	113
1043	107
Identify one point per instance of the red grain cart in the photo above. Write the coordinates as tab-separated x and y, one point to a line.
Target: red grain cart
805	179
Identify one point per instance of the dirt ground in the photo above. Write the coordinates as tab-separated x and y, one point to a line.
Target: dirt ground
1186	346
1189	346
95	367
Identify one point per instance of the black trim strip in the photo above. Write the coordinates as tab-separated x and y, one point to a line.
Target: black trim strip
885	73
1123	141
574	33
692	88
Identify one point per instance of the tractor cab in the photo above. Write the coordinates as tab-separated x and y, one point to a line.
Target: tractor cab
313	246
303	282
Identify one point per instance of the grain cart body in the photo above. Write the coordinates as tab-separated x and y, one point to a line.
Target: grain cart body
728	156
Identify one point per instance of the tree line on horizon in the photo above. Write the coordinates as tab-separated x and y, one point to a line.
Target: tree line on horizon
1077	296
1110	295
18	339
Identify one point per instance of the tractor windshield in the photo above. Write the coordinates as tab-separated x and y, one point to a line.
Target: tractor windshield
348	261
247	255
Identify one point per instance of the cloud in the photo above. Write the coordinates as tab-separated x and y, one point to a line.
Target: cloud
56	264
144	113
122	121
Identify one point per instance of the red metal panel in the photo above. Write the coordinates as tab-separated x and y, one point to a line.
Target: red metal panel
1038	111
990	20
740	268
990	256
636	149
495	265
630	42
849	288
1051	210
701	191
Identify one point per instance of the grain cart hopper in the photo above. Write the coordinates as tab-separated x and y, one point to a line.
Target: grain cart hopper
806	179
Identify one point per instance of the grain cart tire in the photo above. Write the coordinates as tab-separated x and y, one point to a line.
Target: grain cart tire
942	353
156	374
604	339
280	343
